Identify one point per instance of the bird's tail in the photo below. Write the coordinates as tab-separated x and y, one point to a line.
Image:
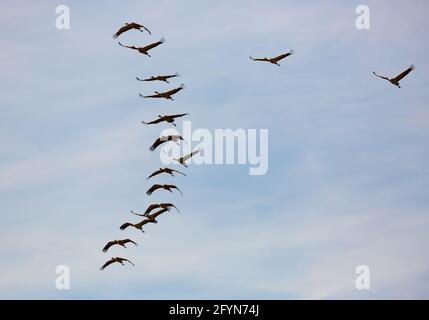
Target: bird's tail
162	40
139	79
251	58
291	51
412	67
142	96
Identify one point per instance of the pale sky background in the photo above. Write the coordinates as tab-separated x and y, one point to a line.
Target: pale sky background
348	178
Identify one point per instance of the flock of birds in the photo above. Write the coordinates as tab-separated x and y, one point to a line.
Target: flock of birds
154	210
149	215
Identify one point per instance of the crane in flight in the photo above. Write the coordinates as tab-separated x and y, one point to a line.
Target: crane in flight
395	80
166	95
129	26
274	60
144	50
117	260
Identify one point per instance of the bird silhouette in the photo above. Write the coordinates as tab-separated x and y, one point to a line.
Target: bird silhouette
274	60
164	139
138	226
117	260
165	170
167	118
166	95
168	187
117	242
144	50
153	216
154	206
129	26
159	78
395	80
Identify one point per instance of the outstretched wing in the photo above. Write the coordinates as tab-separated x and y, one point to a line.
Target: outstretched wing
172	186
170	205
377	75
108	245
155	173
125	241
125	225
173	91
179	115
123	259
151	207
153	45
156	214
156	144
153	188
282	56
122	30
154	121
403	74
107	264
190	155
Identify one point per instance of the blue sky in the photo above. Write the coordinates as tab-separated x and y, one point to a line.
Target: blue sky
347	182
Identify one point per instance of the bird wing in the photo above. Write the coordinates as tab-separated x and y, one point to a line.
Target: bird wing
122	30
139	79
377	75
156	144
403	74
172	186
123	259
152	45
154	121
128	241
179	115
156	214
108	245
151	207
190	155
173	91
171	206
153	188
282	56
125	225
107	264
155	173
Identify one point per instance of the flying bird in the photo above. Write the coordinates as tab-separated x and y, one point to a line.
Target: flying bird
274	60
138	226
116	259
129	26
164	139
165	170
166	118
154	206
183	159
168	187
117	242
159	78
166	94
395	81
153	216
144	50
